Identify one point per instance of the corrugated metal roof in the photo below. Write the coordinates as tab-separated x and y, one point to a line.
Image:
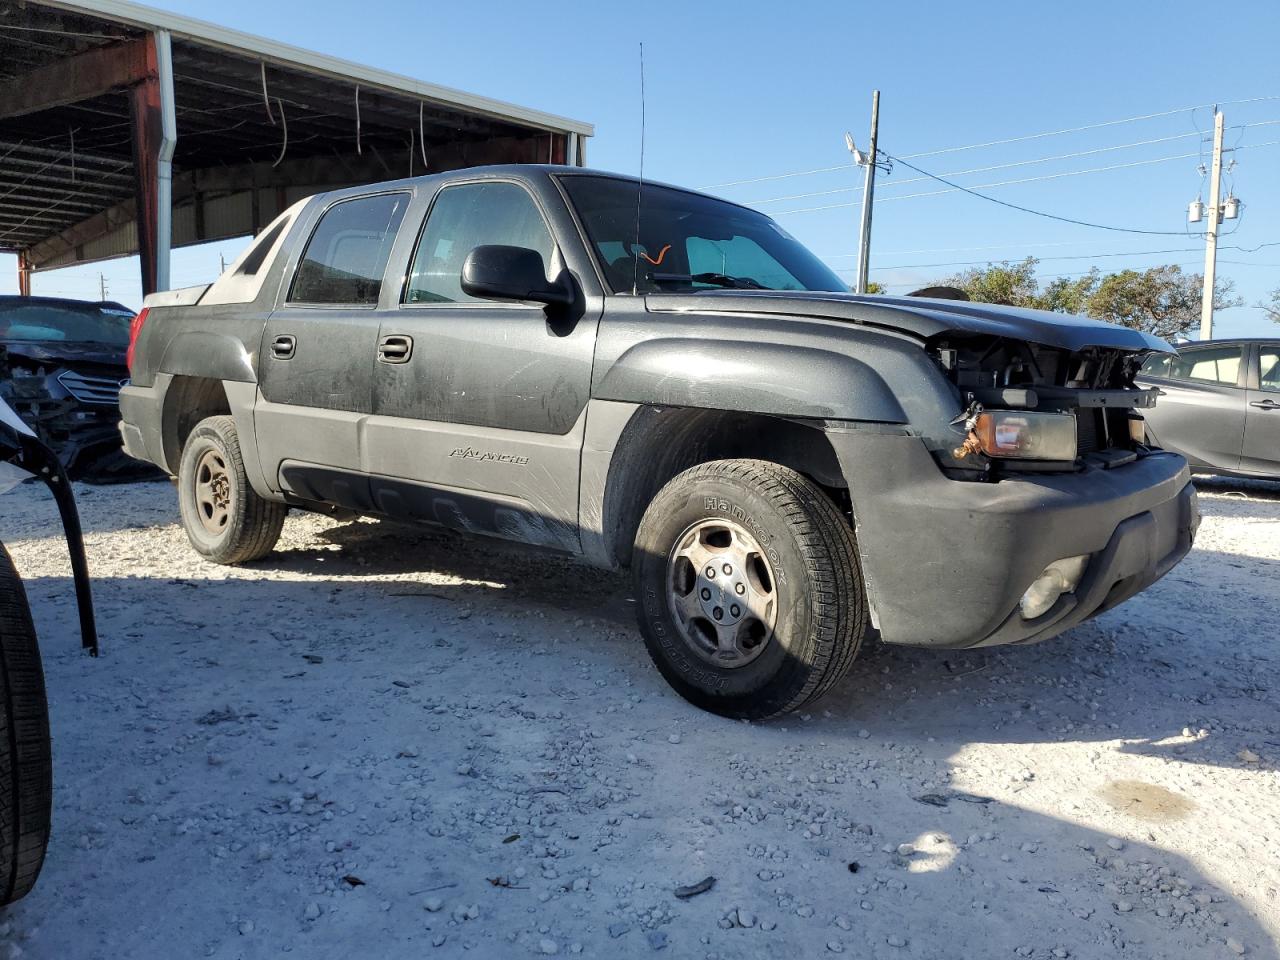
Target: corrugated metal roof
273	51
67	179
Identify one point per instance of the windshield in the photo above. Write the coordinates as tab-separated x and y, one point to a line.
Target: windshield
689	242
73	322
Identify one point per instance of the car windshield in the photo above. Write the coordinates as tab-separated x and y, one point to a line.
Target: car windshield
689	242
72	322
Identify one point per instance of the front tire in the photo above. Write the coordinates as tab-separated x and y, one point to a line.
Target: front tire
26	763
748	588
226	521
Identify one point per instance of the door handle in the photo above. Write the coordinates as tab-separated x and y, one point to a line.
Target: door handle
283	347
396	348
1265	404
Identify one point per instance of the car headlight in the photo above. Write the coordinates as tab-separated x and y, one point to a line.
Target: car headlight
1017	435
1061	576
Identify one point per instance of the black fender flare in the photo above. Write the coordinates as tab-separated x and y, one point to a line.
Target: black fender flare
210	356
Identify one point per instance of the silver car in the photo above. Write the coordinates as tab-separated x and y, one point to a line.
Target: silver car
1219	405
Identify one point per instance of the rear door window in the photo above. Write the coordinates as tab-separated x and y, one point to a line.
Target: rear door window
1220	365
348	252
1269	367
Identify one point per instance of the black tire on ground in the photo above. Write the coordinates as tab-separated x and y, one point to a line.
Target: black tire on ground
26	765
241	525
817	597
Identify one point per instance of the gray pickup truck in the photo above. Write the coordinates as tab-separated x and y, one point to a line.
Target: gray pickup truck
652	378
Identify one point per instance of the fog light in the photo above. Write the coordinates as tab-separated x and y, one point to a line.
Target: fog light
1059	577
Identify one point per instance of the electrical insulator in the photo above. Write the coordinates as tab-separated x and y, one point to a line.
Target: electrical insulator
1195	211
1231	208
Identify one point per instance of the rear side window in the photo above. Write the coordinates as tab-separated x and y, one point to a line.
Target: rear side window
347	254
462	218
1269	369
1220	365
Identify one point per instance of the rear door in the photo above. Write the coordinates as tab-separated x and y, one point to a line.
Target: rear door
1200	410
1262	415
320	343
481	409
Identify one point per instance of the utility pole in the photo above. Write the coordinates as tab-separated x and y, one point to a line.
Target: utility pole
102	286
868	193
1211	231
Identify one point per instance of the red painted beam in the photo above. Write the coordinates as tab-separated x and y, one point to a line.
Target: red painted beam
146	130
82	77
24	274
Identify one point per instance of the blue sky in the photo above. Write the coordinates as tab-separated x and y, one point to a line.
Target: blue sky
746	90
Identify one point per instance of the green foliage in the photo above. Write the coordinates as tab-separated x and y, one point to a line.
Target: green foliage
1013	285
1162	300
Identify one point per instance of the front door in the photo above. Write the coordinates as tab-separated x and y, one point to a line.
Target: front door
1262	415
481	410
320	344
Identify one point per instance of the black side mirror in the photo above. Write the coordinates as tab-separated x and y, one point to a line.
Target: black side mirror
497	272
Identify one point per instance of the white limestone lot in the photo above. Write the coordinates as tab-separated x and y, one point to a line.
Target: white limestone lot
386	743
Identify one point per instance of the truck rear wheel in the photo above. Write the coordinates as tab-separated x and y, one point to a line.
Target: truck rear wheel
226	521
26	765
749	591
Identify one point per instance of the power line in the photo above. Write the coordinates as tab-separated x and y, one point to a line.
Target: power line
992	143
1024	163
1088	126
941	178
1019	207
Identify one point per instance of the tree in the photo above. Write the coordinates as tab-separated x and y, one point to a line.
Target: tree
1162	300
1271	306
1012	285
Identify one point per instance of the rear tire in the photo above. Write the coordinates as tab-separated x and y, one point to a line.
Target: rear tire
226	521
26	762
748	588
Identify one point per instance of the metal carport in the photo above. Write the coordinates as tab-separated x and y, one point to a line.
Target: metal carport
125	129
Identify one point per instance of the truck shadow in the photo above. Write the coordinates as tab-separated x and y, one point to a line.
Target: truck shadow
318	662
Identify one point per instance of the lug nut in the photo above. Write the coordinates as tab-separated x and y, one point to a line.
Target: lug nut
718	613
739	589
727	569
734	611
711	573
706	594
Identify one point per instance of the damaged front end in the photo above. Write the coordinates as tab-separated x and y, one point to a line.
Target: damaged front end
1034	408
73	408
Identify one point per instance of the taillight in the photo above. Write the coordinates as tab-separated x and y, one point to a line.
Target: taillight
135	328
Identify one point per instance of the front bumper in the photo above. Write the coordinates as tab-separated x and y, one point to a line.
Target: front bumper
946	561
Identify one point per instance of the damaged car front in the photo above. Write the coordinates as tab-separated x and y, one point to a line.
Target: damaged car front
62	363
1045	503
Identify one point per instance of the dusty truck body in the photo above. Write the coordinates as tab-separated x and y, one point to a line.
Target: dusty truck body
654	378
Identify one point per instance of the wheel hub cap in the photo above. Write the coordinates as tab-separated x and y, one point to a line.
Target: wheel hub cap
722	593
213	492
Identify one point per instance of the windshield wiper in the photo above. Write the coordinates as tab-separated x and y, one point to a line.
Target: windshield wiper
715	279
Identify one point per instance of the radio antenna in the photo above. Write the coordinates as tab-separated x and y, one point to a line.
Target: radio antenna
635	249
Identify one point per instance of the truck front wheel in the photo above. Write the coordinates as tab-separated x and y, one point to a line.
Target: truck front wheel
226	521
749	592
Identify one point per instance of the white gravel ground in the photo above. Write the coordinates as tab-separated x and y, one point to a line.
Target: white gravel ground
383	744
